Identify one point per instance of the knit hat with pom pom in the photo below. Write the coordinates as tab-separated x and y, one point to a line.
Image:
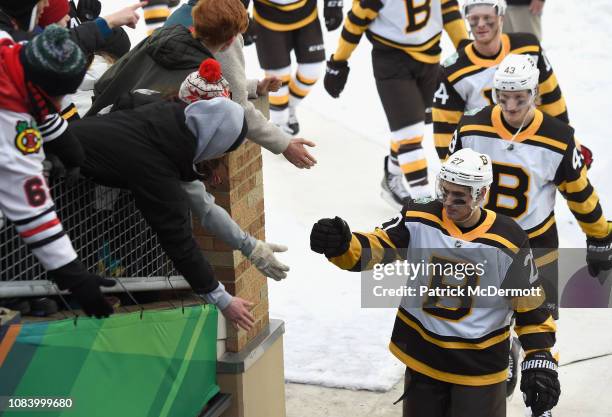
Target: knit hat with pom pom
204	84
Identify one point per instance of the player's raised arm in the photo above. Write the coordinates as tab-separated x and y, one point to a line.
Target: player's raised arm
356	23
359	251
447	110
453	22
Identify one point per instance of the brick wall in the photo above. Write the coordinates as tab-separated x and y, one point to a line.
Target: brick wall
241	194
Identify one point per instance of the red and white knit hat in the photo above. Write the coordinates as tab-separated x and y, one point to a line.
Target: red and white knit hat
204	84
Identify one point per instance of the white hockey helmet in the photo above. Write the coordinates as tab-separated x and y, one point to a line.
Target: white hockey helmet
500	6
468	168
516	73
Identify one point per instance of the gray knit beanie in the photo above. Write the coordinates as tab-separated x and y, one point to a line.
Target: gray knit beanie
53	62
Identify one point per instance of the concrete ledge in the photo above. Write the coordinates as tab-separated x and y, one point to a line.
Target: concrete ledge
240	362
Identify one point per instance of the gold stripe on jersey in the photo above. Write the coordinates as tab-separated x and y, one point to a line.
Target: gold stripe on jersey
349	258
446	116
552	142
477	128
543	229
463	71
453	345
70	113
486	63
380	248
526	49
598	229
284	27
284	7
456	29
418	52
574	192
480	232
576	186
363	13
502	240
530	303
442	142
504	133
549	85
353	28
424	369
549	258
586	206
554	109
548	326
414	166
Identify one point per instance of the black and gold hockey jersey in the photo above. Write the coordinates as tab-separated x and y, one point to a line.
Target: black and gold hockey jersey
413	28
527	173
284	15
466	84
456	339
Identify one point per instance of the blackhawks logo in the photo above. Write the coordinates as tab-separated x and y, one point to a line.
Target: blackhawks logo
28	139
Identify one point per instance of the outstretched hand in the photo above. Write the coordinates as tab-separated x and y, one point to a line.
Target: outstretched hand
125	17
297	154
238	313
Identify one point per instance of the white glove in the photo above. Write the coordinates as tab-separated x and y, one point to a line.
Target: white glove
263	258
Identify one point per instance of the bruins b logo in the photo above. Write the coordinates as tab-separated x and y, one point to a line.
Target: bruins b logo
28	139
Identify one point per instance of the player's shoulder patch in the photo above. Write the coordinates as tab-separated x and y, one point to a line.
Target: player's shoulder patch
423	205
473	111
451	60
28	139
480	116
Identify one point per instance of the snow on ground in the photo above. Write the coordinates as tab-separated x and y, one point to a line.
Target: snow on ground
330	339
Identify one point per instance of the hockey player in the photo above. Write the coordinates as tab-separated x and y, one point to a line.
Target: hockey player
455	349
284	26
466	80
406	40
33	77
534	155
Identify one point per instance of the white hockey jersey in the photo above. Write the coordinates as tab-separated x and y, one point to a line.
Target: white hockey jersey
24	194
461	338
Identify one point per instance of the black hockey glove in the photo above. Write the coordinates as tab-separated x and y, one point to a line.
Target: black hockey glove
331	237
84	287
599	254
88	10
250	36
332	12
540	382
336	75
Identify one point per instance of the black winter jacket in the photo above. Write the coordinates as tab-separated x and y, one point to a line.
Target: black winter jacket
150	156
160	62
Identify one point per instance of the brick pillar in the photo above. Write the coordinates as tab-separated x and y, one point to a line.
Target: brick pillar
241	194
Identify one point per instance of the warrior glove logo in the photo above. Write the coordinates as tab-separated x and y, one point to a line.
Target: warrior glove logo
28	139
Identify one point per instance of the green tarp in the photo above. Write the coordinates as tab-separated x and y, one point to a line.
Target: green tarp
163	365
